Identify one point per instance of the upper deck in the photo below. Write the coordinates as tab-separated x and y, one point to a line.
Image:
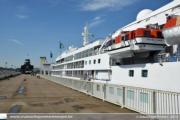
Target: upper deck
81	52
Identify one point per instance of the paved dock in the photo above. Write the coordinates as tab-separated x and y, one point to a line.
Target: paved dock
27	94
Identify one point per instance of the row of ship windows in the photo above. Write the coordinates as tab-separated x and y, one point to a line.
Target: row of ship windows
80	55
99	61
144	73
130	94
84	54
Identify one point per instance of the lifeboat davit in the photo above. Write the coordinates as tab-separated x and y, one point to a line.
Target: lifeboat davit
171	31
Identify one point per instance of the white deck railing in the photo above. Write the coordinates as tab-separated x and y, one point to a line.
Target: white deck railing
142	100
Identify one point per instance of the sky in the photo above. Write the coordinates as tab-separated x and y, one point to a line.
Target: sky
30	29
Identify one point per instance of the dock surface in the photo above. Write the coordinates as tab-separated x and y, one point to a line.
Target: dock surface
27	94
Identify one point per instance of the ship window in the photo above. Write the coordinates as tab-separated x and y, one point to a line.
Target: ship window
144	97
94	61
85	62
159	35
99	60
127	37
122	38
89	61
98	87
109	43
77	55
113	42
146	33
130	94
90	52
144	73
86	52
96	72
83	54
119	92
131	73
111	90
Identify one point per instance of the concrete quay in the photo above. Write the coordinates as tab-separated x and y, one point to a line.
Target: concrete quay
27	94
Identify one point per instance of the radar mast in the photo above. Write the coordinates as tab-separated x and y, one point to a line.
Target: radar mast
85	35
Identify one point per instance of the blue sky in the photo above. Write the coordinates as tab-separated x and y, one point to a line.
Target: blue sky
35	27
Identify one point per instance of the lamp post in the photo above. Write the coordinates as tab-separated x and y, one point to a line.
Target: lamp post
5	68
11	69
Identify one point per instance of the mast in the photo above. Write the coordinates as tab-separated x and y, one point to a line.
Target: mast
86	35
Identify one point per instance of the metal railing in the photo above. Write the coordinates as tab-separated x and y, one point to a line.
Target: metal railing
163	57
69	66
142	100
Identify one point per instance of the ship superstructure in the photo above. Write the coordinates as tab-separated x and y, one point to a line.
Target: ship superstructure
138	44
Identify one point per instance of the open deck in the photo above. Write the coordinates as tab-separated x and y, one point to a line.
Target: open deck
27	94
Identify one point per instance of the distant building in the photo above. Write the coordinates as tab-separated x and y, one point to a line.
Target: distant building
37	70
27	67
18	69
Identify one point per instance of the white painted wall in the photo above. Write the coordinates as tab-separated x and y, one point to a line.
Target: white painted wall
103	65
102	74
166	77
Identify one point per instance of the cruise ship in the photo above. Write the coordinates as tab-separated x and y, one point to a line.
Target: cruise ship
136	67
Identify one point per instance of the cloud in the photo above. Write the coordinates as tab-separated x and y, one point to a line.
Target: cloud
95	23
93	5
16	41
22	16
96	18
